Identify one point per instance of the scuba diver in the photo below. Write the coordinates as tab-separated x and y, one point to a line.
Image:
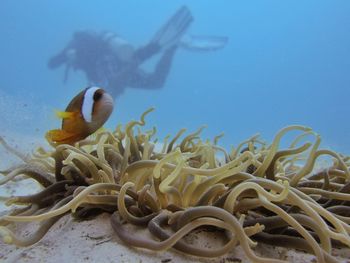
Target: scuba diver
111	62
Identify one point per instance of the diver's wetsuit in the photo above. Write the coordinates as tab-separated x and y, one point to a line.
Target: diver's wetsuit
135	77
110	62
94	56
116	75
101	56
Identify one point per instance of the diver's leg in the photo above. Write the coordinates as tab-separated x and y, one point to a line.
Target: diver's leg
167	36
157	78
171	33
146	52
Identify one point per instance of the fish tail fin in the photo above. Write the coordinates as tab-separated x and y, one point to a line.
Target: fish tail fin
57	137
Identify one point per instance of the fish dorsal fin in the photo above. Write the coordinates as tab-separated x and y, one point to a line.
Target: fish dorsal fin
88	103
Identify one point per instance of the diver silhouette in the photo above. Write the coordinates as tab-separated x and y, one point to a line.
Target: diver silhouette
113	63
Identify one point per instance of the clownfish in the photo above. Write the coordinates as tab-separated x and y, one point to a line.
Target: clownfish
84	115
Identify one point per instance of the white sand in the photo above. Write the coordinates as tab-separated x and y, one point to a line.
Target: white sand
95	240
24	144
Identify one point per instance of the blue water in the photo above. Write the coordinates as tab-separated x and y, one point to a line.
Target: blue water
287	62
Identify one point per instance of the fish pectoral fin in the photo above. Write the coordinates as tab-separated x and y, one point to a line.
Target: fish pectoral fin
67	114
61	137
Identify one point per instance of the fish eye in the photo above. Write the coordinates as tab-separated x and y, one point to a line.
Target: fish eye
98	94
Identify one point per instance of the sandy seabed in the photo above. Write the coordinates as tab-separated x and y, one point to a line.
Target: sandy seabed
94	240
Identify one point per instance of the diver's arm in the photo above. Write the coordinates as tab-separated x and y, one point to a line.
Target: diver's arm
58	60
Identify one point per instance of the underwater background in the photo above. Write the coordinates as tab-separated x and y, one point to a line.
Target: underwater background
287	62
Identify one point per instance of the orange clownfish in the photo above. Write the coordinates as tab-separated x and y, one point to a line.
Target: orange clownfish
84	115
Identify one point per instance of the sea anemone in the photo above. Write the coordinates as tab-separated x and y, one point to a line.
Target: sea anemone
257	192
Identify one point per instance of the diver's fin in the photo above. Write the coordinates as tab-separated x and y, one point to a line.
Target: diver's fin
66	114
172	32
203	43
61	137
